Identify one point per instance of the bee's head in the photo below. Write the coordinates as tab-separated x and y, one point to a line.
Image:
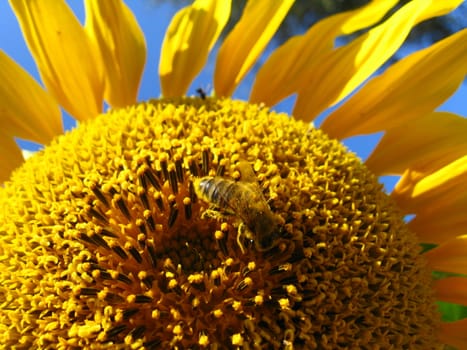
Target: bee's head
266	232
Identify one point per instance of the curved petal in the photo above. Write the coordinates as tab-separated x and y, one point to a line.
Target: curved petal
10	156
67	61
452	290
188	40
344	69
424	144
289	66
246	42
113	27
450	256
441	221
417	191
454	334
27	111
410	88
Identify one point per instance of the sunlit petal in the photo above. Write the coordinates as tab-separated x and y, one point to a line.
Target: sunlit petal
289	66
452	290
242	47
449	256
416	190
10	156
188	40
439	139
395	97
67	61
122	46
344	69
27	110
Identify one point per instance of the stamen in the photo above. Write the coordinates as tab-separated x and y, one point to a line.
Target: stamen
163	159
95	188
114	331
143	196
205	162
221	168
193	167
178	167
119	251
129	313
134	252
187	207
173	215
152	254
142	299
122	206
173	179
88	291
137	332
152	178
159	201
98	215
149	220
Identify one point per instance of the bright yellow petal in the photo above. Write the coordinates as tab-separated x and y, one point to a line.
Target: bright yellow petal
10	156
67	61
423	144
27	111
188	40
121	42
441	221
410	88
343	70
454	334
416	191
450	256
290	65
242	47
452	290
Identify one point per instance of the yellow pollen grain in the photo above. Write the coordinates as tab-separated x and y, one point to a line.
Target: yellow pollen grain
218	313
203	340
237	339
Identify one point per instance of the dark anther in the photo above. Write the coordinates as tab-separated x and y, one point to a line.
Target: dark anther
135	254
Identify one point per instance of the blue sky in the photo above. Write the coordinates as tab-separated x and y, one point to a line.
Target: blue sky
154	20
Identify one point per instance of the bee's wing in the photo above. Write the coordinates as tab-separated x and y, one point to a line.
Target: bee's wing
246	171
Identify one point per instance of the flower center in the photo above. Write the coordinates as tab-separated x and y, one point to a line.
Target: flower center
199	222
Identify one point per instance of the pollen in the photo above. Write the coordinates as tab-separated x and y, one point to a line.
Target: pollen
104	242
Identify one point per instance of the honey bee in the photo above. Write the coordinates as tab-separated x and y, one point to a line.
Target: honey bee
243	199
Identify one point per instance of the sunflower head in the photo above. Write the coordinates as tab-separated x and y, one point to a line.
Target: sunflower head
110	244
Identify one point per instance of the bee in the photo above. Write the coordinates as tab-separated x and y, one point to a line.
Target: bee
243	199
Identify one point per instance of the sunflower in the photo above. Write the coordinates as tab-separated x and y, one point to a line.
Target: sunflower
208	222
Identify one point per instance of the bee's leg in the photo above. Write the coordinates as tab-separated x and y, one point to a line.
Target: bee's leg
212	213
245	233
240	233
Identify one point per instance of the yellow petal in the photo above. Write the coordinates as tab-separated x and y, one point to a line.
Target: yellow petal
290	65
441	221
343	70
450	256
121	42
27	111
188	40
10	156
454	334
424	144
246	42
416	191
67	60
452	290
410	88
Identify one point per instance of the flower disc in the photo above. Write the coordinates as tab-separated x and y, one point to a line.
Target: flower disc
105	244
